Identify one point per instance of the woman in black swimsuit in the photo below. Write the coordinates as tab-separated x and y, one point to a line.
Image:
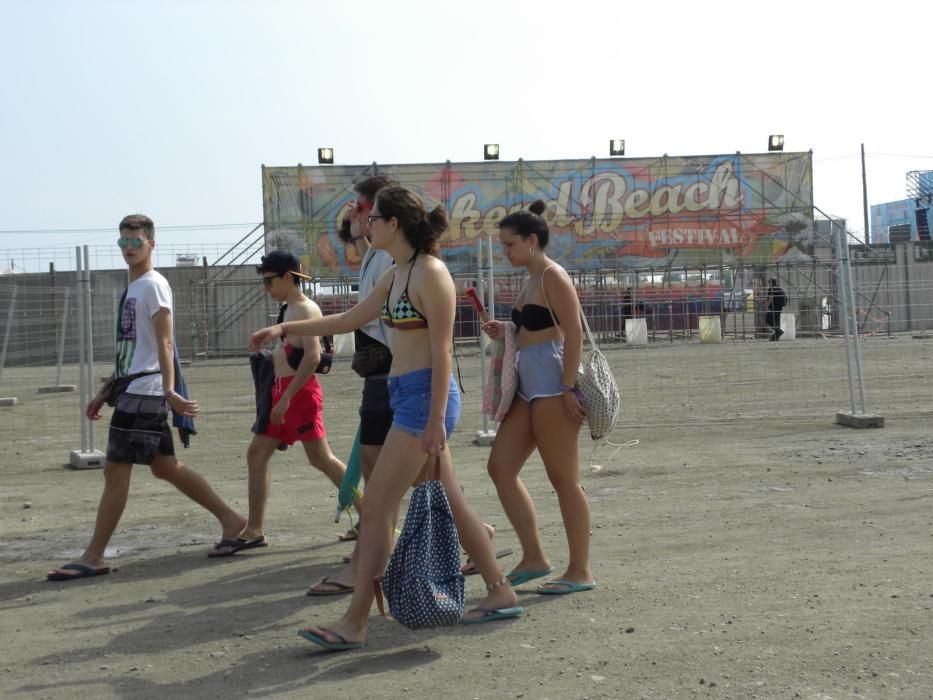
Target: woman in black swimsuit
547	412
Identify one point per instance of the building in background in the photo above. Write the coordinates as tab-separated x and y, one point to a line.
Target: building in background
906	219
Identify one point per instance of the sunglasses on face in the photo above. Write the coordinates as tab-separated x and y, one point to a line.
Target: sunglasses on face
362	206
267	281
134	242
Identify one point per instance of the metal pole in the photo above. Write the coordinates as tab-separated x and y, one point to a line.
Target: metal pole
61	340
864	199
850	285
492	285
9	327
843	300
82	348
482	345
90	340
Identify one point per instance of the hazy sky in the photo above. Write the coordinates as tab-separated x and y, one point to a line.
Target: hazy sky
170	107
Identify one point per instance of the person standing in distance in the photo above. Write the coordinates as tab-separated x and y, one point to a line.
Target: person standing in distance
774	304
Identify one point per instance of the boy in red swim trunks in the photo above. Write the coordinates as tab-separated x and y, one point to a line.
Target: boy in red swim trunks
297	406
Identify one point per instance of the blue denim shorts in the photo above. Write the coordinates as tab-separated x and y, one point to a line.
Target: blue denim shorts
541	370
410	397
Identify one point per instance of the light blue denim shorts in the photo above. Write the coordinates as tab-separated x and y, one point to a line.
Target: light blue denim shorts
540	370
410	398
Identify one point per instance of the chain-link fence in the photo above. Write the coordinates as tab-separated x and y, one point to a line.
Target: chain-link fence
711	317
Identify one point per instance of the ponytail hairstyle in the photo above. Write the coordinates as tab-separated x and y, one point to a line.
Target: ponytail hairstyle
527	222
422	229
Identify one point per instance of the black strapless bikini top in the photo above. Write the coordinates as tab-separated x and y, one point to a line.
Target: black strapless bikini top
534	317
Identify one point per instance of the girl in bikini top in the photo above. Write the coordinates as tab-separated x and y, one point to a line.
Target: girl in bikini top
534	317
404	317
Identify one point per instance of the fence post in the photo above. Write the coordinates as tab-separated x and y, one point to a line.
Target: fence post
8	400
486	436
85	458
850	316
9	327
89	316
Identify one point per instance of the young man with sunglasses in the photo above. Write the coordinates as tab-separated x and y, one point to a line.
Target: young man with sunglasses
297	413
139	430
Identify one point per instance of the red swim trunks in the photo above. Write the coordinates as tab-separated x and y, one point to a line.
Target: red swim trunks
304	419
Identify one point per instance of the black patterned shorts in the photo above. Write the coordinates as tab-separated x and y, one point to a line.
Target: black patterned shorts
139	430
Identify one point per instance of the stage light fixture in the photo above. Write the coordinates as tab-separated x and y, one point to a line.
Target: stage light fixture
776	142
617	147
325	156
491	151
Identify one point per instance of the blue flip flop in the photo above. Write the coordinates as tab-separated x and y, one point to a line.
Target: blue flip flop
490	614
517	578
563	587
342	645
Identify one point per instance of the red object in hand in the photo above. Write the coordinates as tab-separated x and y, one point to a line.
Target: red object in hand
477	304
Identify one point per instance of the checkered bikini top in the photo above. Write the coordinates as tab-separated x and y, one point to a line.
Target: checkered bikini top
404	317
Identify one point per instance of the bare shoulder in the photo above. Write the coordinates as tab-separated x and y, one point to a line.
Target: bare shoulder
435	269
301	310
556	278
432	282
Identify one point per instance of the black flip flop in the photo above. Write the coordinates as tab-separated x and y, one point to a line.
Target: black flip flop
241	544
225	547
83	572
469	568
339	588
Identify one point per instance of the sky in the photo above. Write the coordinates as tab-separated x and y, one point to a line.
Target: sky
170	108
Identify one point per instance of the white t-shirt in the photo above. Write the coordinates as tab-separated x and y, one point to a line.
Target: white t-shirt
136	342
374	266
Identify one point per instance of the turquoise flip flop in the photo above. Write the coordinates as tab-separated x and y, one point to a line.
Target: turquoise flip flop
342	645
563	587
517	578
490	614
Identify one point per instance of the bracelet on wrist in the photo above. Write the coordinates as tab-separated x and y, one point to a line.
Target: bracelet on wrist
575	390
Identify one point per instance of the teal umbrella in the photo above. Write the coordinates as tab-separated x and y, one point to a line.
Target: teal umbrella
349	487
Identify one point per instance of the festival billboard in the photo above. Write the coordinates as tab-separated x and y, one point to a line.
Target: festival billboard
615	214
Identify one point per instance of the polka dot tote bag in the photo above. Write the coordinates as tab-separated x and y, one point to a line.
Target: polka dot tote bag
598	387
423	583
599	391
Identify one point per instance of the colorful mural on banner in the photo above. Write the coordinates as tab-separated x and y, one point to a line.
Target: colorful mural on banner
603	213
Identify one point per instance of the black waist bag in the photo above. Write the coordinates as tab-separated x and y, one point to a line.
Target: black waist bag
114	387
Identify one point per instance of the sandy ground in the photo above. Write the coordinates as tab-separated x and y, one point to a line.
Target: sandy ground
738	555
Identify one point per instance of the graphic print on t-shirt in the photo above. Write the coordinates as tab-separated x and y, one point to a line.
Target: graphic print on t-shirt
126	337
